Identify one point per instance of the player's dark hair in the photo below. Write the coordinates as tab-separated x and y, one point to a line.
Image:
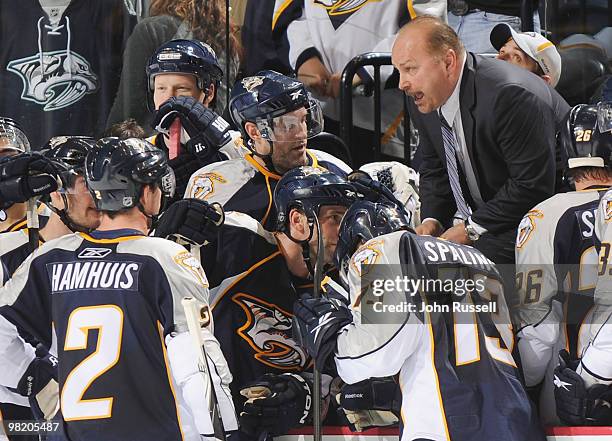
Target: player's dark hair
126	129
579	174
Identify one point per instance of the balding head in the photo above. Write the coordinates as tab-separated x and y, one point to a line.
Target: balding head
428	55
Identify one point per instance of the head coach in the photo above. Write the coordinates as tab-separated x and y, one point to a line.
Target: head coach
487	134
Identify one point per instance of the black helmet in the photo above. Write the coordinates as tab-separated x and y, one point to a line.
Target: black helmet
68	154
365	220
12	137
261	98
308	188
586	137
117	170
184	57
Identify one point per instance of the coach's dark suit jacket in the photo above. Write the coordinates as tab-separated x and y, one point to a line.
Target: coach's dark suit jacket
509	118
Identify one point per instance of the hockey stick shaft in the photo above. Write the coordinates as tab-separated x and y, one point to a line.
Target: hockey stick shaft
195	321
316	291
32	219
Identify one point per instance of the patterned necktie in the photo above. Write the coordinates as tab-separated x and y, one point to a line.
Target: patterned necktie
450	151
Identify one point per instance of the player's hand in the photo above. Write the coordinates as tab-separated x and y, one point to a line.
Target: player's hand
457	234
207	130
275	404
25	176
314	75
429	228
192	220
577	405
316	323
39	384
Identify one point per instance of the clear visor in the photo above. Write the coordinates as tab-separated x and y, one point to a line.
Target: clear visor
604	117
12	137
301	124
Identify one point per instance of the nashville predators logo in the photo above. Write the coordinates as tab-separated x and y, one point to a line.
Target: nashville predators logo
267	330
61	80
250	83
341	7
204	185
606	204
527	227
367	255
191	264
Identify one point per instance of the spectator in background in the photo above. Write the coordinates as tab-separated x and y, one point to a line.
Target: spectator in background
125	129
60	64
202	20
325	36
528	50
472	19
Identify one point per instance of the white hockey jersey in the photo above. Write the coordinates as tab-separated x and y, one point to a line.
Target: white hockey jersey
125	287
556	273
595	347
458	378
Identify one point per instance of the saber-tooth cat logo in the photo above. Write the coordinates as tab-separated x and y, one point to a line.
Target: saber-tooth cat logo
93	275
62	80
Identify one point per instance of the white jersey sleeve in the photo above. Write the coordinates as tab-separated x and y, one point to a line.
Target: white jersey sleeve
595	346
362	345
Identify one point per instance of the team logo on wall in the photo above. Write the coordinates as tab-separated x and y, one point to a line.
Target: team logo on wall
62	80
527	227
267	330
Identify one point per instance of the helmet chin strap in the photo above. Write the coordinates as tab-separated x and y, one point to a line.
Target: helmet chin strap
314	273
66	219
267	158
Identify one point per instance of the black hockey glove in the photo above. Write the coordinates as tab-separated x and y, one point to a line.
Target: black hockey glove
275	404
577	405
25	176
316	323
207	130
374	402
192	220
39	384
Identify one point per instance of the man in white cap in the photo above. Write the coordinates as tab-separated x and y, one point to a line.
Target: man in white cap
529	50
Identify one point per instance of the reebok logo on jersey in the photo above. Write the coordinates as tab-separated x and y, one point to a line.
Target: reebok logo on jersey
93	275
559	383
94	253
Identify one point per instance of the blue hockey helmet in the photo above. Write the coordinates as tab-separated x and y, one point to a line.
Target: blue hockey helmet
68	154
191	57
586	137
308	188
263	99
117	170
365	220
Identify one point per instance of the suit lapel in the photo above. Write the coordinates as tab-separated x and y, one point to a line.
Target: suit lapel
467	104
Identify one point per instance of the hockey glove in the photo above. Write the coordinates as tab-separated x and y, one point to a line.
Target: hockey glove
207	130
316	323
275	404
39	384
191	220
375	402
25	176
577	405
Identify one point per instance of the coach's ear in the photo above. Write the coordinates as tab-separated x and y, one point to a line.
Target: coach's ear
298	225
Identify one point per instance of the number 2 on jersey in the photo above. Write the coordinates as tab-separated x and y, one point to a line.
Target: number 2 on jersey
108	320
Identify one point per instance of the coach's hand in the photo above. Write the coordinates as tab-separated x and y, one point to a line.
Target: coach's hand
457	234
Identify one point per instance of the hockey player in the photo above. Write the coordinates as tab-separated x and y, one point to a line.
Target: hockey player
72	207
12	142
451	341
276	116
582	380
183	77
110	299
262	275
556	258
